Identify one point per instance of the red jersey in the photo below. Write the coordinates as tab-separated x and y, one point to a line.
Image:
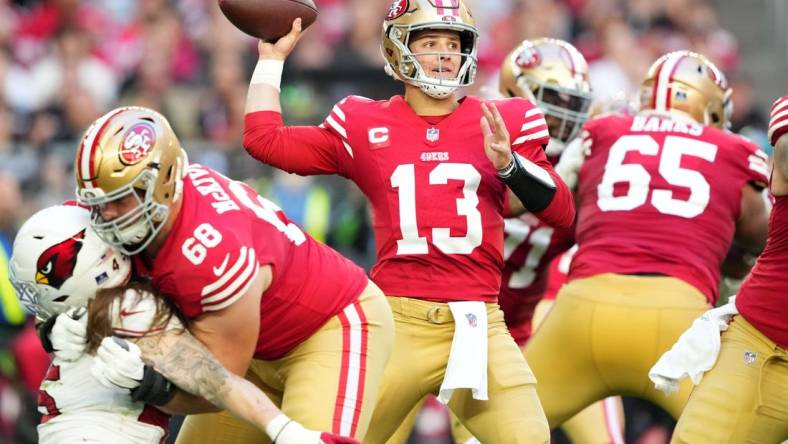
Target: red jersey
763	297
558	273
529	247
436	198
225	231
658	195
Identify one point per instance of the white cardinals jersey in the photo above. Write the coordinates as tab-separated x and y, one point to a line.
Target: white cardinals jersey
77	408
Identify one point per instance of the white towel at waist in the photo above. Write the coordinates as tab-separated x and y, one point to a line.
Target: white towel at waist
467	366
695	352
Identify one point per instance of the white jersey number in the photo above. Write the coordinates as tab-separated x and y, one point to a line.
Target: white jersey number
404	180
638	179
518	233
266	210
195	248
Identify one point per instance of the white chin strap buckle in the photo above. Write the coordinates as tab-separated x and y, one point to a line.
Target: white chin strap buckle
437	91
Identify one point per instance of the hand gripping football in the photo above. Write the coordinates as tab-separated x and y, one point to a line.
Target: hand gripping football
268	19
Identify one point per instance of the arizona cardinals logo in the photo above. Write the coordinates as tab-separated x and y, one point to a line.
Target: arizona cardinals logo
57	263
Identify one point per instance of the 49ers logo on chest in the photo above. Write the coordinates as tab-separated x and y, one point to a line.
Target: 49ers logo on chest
397	8
137	143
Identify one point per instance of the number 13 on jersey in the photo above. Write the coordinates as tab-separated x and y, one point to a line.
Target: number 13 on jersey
404	180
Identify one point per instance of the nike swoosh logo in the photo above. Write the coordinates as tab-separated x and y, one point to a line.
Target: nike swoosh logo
218	271
124	313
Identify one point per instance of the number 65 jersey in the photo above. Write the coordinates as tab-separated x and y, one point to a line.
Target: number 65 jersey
661	195
224	232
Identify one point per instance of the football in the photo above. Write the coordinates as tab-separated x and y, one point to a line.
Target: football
268	19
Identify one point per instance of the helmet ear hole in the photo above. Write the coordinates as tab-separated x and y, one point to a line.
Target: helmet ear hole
61	298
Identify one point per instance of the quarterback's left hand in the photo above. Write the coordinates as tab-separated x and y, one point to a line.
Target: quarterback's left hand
118	364
496	137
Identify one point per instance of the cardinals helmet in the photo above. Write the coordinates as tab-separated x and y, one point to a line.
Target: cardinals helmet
554	75
59	262
404	18
130	151
688	82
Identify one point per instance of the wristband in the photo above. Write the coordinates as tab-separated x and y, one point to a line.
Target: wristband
276	426
268	72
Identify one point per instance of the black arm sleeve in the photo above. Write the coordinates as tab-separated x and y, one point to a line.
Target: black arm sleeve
530	183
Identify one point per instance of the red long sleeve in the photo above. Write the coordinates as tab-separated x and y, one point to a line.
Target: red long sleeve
304	150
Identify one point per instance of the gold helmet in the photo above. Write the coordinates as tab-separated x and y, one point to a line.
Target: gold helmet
688	82
130	151
408	16
554	75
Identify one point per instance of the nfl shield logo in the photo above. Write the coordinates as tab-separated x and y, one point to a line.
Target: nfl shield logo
433	134
471	319
749	357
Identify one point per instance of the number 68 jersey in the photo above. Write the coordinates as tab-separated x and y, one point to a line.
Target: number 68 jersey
223	233
661	195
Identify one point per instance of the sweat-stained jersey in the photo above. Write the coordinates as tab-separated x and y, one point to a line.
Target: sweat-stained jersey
78	408
661	196
224	232
529	248
436	199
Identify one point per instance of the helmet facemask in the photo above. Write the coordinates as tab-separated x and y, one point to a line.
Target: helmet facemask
568	107
134	230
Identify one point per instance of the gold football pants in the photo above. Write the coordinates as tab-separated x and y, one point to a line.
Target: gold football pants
602	337
600	423
328	382
744	397
424	333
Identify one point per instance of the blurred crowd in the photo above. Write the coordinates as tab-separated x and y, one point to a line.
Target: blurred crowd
63	63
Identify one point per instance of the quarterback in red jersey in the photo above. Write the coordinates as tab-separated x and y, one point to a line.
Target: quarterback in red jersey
435	169
299	320
751	372
661	196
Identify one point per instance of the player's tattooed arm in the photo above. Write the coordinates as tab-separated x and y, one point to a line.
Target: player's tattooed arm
188	364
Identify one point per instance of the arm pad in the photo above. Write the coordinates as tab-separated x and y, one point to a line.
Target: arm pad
154	388
529	182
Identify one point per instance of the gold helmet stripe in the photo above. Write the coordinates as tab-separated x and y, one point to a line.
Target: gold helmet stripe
664	77
87	149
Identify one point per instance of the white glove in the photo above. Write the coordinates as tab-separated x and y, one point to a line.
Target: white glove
283	430
69	334
118	364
